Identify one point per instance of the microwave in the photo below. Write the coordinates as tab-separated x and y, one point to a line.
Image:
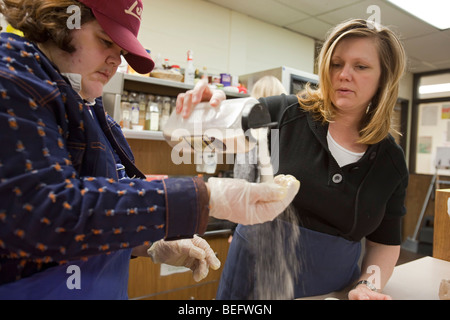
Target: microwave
292	79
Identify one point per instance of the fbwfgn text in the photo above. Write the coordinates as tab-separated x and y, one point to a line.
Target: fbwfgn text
213	310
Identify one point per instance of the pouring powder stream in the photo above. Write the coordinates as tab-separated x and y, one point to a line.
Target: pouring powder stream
275	243
276	263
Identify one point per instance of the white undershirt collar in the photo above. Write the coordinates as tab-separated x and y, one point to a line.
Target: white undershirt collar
342	155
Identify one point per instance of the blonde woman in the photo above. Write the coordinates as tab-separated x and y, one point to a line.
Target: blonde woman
267	86
336	141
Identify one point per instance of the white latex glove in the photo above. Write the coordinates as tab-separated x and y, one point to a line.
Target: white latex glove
195	254
243	202
201	92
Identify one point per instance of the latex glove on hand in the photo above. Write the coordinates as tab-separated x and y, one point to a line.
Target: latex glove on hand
247	203
201	93
195	254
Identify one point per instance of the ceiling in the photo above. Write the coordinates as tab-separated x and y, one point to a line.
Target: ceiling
427	47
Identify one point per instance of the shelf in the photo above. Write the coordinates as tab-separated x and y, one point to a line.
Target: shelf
174	84
143	134
116	85
157	81
132	82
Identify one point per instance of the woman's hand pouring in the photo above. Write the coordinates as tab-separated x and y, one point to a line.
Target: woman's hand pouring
237	200
201	93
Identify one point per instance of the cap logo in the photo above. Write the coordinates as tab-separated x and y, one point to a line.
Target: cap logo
135	13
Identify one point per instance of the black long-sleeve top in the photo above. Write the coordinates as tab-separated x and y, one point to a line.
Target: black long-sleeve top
362	199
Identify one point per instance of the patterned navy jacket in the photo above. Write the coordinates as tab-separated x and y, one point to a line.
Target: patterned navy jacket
61	198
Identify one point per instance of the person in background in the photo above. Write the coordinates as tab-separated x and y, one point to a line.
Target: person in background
267	86
247	165
335	139
72	201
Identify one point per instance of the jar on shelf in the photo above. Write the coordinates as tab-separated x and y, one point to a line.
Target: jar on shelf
125	111
152	115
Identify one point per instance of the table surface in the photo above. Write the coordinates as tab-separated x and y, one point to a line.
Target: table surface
416	280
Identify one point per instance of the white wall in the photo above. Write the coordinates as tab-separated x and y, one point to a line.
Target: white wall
225	40
222	40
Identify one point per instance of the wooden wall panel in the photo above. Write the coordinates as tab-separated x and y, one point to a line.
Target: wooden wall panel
441	236
154	157
415	197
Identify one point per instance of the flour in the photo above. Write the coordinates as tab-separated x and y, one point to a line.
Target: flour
276	262
275	244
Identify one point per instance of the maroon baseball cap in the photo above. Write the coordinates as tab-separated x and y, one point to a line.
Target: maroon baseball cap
121	20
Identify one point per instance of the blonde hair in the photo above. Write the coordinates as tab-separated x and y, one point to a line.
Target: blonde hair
267	86
376	124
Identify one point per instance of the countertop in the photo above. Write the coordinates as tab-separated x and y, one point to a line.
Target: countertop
416	280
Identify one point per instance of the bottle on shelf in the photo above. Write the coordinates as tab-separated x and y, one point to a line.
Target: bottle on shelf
125	110
160	102
158	62
166	64
173	104
152	116
142	109
205	76
134	102
150	98
189	72
165	112
197	76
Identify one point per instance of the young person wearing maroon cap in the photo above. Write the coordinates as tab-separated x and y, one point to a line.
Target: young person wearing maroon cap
70	216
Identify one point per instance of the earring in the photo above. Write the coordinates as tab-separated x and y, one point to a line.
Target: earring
368	107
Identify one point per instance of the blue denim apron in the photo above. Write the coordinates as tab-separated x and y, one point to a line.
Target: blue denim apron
312	264
103	277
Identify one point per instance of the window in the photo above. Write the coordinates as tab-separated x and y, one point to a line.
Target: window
430	121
